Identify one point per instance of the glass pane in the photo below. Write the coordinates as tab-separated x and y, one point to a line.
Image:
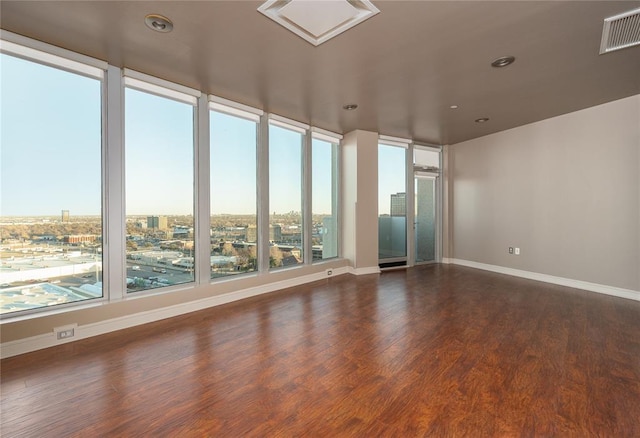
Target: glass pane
425	220
285	197
234	222
324	197
159	191
392	202
50	186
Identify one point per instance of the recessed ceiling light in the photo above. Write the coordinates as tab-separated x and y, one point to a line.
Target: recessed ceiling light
503	61
482	120
159	23
454	107
350	106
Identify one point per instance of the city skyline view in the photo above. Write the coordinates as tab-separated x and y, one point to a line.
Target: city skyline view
53	208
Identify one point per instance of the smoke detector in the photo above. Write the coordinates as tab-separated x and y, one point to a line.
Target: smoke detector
621	31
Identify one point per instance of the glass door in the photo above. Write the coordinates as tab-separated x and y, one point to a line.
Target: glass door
425	218
392	205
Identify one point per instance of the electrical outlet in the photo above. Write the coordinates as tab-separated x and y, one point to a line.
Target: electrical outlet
329	272
517	251
65	332
511	250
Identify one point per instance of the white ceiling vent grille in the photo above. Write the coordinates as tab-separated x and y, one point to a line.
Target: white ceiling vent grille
318	20
621	31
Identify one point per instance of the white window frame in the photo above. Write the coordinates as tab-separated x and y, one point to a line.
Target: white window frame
303	129
153	85
55	57
114	80
225	106
169	90
232	108
336	139
394	141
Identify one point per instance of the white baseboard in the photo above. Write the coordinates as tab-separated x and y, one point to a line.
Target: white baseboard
26	345
577	284
363	271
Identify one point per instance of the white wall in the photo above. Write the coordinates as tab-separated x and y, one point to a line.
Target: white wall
565	190
360	200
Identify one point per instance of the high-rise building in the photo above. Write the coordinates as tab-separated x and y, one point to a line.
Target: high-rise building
157	222
398	204
65	216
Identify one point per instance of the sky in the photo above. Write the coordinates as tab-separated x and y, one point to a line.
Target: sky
391	175
50	151
50	140
285	175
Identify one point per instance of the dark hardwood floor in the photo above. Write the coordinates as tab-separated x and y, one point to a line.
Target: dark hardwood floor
442	351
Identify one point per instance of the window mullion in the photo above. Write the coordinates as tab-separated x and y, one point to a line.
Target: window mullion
202	192
114	206
410	207
263	195
307	214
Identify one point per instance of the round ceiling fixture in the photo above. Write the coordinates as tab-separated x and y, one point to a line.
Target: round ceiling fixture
350	107
503	61
454	107
482	120
159	23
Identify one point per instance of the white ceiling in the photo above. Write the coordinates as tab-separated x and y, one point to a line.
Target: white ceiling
404	67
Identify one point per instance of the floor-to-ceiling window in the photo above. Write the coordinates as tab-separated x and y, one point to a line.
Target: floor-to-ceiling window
159	163
324	197
121	178
285	195
234	211
51	222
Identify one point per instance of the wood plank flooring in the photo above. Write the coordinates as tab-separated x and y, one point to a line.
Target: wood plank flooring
442	351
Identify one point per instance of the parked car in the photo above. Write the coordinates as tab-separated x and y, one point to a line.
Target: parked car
160	270
135	268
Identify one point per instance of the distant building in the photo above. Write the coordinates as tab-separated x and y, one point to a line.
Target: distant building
45	237
157	222
398	204
141	225
65	216
275	233
181	232
80	238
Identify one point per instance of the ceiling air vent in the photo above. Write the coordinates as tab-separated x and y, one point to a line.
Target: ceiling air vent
621	31
318	21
